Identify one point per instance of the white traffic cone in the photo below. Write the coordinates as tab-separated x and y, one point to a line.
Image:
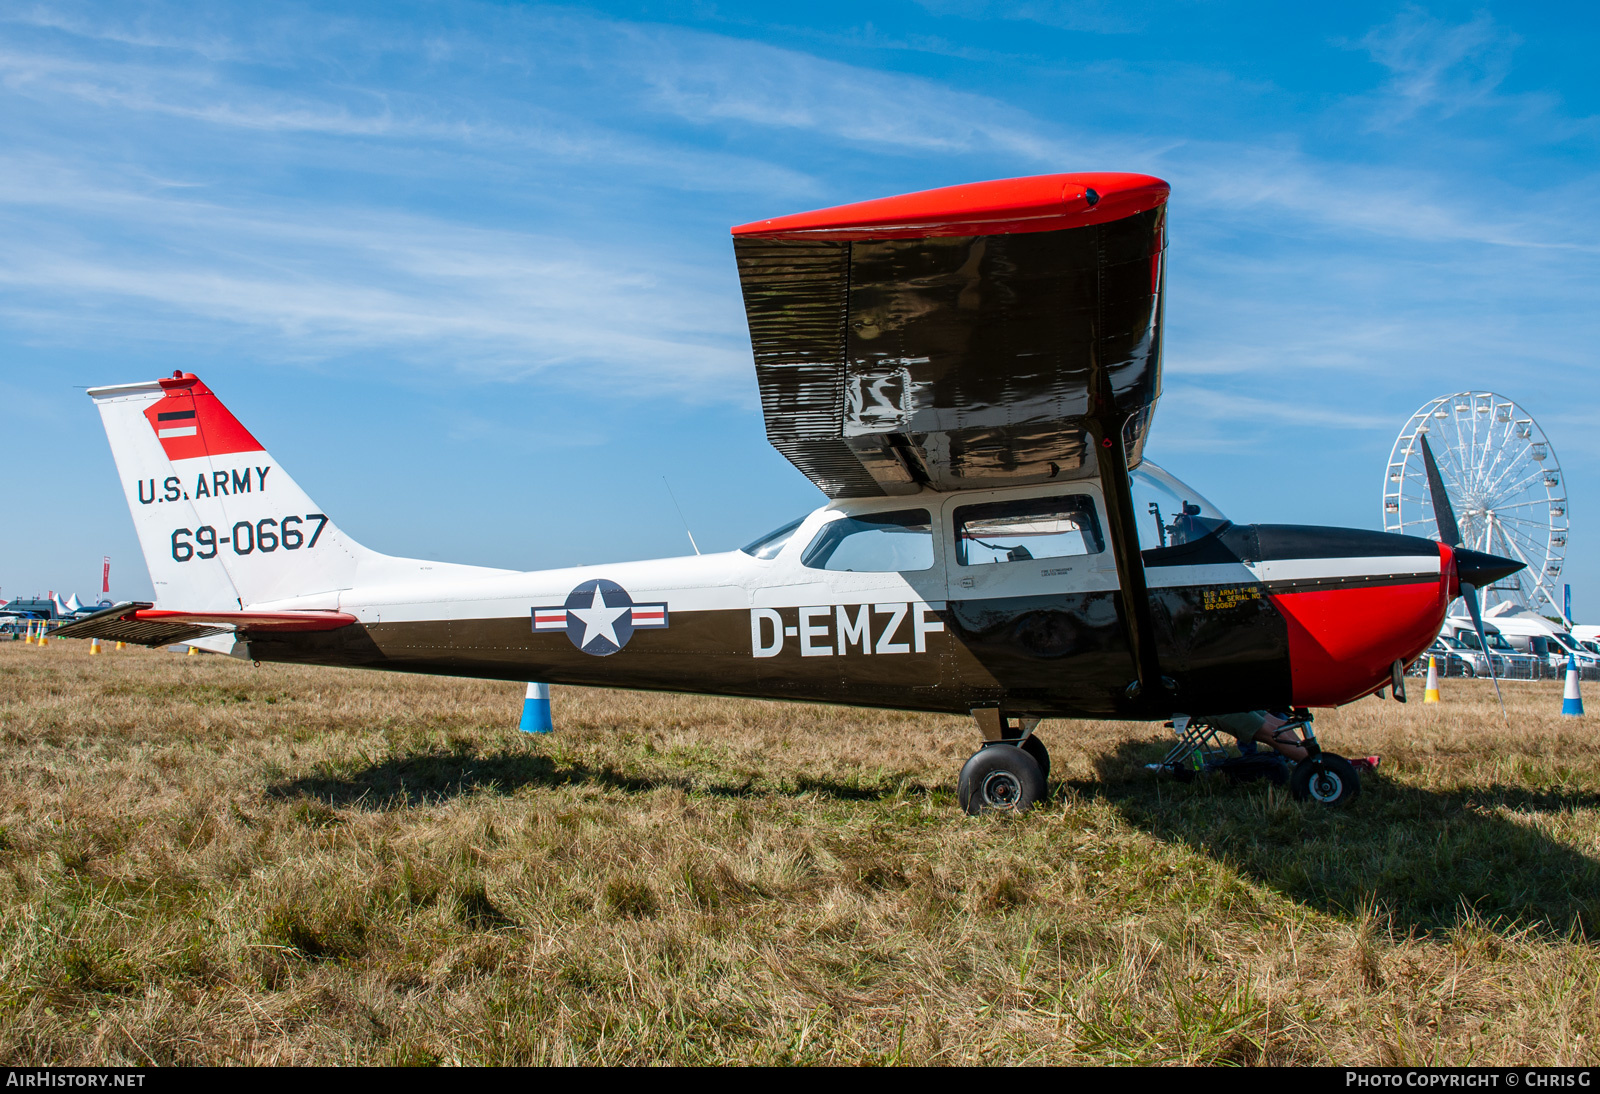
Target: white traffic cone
1571	701
1430	693
94	647
536	710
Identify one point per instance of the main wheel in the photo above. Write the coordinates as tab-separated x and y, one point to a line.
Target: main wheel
1041	755
1330	780
1000	778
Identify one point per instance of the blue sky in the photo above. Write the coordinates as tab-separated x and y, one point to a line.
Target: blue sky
464	268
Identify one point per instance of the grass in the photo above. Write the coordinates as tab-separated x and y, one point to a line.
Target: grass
206	862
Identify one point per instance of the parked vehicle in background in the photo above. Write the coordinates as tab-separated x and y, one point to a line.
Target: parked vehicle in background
1477	658
32	609
1534	634
1513	663
1450	659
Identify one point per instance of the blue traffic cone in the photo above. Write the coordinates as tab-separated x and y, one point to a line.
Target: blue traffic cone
536	710
1571	701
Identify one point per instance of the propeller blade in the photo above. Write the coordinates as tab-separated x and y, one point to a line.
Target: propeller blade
1469	593
1443	515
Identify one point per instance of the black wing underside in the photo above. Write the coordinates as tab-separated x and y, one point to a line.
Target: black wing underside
955	362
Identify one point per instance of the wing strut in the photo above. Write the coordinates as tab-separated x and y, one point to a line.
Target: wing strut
1112	457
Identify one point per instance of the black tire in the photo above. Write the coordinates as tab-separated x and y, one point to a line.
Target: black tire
1330	780
1041	755
1000	778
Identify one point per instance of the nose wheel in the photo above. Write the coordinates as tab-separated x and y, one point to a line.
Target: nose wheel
1325	778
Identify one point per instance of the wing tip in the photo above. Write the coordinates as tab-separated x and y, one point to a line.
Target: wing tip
1035	203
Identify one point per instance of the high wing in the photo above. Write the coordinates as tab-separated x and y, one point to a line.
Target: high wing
982	335
957	338
143	624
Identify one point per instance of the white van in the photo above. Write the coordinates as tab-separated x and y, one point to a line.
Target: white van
1459	634
1587	636
1528	631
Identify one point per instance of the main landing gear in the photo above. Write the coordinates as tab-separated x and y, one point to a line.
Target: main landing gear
1010	772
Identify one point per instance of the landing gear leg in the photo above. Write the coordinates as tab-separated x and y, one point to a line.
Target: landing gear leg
1322	776
1009	773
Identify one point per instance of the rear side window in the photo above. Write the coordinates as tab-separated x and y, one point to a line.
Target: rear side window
874	543
1026	529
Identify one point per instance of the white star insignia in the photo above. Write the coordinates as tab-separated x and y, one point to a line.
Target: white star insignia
599	620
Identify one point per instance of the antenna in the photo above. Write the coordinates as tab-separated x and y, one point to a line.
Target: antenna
681	517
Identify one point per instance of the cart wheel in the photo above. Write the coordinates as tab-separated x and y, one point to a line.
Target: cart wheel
1330	780
999	778
1041	755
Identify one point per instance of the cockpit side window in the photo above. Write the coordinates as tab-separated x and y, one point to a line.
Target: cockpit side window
874	543
1027	528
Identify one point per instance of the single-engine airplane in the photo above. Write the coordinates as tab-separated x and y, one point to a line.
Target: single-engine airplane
968	374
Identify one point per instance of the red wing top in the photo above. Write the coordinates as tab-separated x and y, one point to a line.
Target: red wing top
1039	203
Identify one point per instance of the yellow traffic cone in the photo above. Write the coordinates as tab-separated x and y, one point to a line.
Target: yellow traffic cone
94	646
192	651
122	645
27	635
1430	694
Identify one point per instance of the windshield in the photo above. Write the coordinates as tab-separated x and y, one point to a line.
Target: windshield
1567	642
1592	647
770	544
1168	512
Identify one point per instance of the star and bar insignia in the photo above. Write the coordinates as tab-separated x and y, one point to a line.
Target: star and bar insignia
600	617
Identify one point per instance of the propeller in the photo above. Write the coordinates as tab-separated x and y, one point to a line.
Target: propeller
1474	569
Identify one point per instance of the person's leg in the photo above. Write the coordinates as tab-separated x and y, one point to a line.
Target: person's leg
1286	741
1244	726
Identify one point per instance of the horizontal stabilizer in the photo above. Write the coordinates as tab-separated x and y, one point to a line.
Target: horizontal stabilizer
143	624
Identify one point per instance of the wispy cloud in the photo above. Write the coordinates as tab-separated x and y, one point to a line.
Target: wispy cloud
1439	67
508	302
1091	16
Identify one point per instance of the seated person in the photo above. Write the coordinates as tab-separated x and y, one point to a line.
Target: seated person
1265	726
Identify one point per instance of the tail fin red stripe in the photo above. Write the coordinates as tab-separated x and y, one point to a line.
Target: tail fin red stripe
190	422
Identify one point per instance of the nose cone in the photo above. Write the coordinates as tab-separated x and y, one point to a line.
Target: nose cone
1478	569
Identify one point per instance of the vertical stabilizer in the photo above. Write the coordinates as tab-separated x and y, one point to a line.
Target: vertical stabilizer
221	525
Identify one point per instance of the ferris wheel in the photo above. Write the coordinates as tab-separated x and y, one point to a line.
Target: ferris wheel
1504	483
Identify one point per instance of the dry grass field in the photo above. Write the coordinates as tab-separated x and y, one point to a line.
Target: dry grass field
206	862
